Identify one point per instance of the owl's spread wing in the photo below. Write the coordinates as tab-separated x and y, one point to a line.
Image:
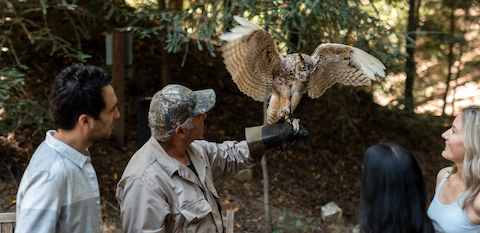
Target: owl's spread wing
338	63
251	57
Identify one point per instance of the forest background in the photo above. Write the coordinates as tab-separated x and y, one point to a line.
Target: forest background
430	49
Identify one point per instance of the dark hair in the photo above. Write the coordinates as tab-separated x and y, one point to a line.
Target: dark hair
77	90
393	197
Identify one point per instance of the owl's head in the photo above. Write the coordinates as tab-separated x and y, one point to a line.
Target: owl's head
304	67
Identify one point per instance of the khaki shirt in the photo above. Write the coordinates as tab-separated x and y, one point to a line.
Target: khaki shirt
159	194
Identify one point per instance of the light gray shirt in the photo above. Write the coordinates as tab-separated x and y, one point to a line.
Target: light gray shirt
59	191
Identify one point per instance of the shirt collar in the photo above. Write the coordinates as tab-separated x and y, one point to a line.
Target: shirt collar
169	164
67	151
172	166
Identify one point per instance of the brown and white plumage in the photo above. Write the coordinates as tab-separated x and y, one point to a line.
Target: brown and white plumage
261	72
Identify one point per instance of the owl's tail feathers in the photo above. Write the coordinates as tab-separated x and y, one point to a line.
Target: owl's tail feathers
245	28
368	63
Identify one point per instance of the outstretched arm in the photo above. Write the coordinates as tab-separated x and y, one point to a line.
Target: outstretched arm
228	158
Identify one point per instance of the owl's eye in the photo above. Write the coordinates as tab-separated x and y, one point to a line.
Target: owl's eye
302	68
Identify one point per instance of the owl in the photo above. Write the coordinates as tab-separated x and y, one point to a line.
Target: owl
261	72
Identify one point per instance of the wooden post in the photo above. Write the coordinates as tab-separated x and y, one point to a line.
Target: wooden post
118	74
7	222
266	180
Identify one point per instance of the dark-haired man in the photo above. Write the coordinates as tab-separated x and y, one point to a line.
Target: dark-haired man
59	190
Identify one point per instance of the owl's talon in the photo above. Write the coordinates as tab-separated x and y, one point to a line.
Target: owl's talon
296	124
284	113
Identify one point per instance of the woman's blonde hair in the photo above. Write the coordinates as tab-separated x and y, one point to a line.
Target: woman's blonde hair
471	160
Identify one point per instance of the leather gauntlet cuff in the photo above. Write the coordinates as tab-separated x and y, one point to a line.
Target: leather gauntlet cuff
253	136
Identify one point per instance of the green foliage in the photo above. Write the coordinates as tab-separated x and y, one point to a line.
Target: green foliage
298	26
61	26
38	24
57	26
9	77
31	19
15	112
24	113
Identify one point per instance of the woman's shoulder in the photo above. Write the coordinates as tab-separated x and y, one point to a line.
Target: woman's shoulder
442	173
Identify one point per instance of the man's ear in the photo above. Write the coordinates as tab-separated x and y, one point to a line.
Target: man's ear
180	131
85	121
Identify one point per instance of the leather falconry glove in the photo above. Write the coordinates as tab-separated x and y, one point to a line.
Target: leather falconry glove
261	138
274	134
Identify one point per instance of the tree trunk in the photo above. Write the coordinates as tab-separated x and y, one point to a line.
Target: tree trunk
177	5
450	58
410	68
456	81
165	56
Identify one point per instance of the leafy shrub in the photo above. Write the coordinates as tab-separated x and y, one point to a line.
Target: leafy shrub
19	112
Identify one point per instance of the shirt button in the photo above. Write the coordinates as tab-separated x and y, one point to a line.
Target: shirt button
98	202
92	176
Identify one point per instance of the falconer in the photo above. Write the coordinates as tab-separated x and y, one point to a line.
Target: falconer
168	185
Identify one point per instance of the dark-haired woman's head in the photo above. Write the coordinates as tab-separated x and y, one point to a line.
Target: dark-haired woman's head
77	90
393	196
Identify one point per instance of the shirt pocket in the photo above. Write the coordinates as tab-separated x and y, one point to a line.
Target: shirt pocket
198	217
196	210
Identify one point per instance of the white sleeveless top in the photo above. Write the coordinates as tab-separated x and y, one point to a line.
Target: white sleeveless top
450	218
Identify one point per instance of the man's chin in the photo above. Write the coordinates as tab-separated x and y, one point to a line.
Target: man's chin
108	136
101	138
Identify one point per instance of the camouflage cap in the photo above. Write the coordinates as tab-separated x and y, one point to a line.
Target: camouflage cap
174	104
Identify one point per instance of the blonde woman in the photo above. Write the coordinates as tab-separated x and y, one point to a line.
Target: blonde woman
456	204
